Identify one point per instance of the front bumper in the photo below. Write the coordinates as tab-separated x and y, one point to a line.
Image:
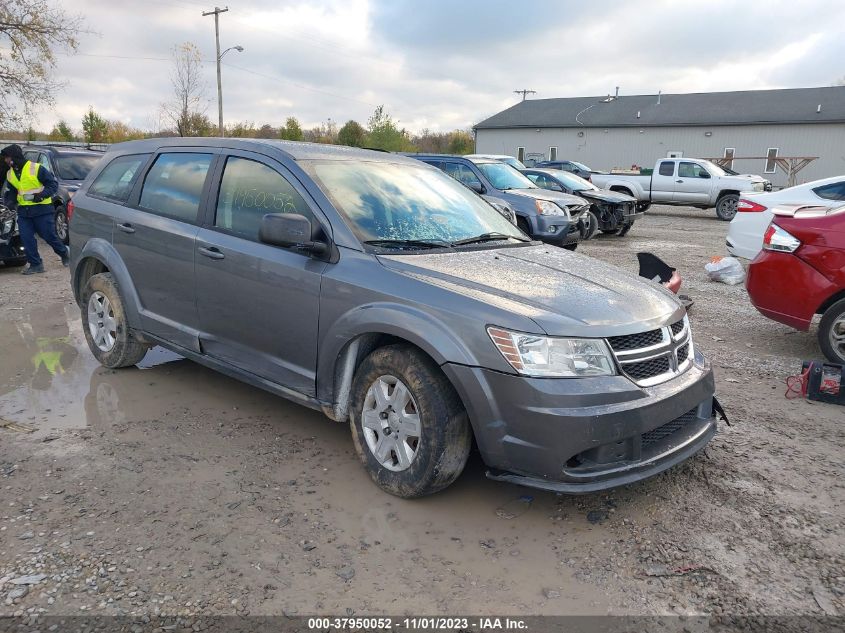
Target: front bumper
556	229
583	435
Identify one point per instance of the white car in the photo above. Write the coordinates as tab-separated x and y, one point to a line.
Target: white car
753	211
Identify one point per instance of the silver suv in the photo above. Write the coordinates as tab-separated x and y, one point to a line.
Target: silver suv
378	290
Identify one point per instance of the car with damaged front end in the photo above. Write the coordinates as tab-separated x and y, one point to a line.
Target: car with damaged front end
384	293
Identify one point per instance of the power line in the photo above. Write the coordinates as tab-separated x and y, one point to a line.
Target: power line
524	93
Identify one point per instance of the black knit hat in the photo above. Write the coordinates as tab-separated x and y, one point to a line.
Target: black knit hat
12	151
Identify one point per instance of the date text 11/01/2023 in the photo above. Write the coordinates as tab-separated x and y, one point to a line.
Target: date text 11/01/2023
456	625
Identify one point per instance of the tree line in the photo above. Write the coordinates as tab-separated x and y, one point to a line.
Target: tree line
380	132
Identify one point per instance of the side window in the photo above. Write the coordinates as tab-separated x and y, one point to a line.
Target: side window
834	191
173	186
667	168
465	175
249	191
116	180
43	159
30	155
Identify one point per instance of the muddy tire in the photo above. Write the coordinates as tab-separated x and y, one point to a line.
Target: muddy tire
408	424
832	332
105	326
726	206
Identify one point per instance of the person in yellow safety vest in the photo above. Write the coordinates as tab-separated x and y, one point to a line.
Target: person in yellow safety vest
31	191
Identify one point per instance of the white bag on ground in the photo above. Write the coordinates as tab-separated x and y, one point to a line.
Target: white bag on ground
728	270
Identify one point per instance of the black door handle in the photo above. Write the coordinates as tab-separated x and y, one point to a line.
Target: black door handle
679	181
126	227
211	252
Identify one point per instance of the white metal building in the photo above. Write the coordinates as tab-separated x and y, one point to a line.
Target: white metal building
618	132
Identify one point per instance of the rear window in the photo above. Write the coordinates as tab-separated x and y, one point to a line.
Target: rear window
116	180
833	191
74	166
173	186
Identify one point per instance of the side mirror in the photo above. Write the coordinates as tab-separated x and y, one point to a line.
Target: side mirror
704	174
477	187
290	230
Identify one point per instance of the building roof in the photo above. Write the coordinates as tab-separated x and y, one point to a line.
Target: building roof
751	107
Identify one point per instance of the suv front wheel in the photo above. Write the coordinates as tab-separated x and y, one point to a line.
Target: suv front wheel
409	427
104	322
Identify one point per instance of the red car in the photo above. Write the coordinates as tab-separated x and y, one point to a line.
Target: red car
801	272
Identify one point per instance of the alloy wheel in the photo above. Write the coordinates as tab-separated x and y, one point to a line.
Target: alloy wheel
837	336
391	423
101	322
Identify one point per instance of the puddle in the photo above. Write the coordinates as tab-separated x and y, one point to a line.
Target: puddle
49	379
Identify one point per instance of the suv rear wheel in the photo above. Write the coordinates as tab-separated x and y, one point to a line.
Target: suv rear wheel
409	427
104	322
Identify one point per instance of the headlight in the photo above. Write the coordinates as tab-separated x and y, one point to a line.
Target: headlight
545	356
545	207
6	227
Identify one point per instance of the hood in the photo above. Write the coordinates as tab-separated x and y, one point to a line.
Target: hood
564	293
546	194
606	195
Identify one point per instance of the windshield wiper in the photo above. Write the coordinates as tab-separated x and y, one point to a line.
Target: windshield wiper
488	237
409	243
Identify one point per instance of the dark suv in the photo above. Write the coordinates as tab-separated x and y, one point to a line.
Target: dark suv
378	290
553	217
70	165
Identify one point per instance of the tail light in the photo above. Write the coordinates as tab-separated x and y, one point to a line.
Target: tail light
748	206
69	210
778	239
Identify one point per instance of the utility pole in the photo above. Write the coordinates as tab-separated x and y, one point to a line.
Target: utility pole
216	13
524	93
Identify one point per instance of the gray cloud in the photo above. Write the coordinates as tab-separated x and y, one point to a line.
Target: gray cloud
439	64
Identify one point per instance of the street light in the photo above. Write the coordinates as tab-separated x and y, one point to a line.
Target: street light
240	49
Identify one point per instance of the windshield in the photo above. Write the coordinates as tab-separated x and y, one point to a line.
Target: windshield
713	168
393	201
503	176
74	166
576	183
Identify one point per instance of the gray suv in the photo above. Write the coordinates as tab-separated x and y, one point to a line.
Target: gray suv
381	292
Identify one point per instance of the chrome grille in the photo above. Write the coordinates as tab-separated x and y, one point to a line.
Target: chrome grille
648	368
649	358
635	341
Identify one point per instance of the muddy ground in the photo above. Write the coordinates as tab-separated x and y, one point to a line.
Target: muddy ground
172	489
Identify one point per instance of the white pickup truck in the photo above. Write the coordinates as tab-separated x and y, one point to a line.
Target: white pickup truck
690	182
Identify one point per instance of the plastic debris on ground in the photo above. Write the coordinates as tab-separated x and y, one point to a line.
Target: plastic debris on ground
727	270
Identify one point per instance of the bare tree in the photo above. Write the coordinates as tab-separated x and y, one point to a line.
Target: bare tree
185	112
31	33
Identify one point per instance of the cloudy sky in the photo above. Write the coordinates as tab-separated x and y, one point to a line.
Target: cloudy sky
438	64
